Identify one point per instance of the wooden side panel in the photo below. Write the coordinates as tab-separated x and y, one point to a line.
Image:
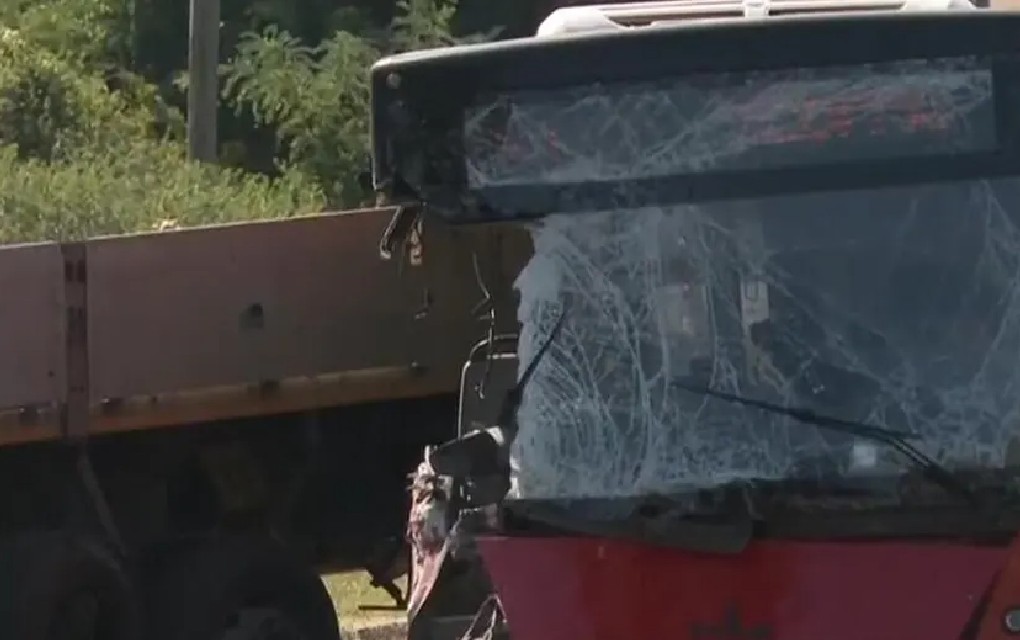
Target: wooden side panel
245	304
32	326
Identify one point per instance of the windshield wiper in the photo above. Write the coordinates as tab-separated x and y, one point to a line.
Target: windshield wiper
895	438
511	404
481	452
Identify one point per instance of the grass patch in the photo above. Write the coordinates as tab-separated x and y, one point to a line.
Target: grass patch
352	590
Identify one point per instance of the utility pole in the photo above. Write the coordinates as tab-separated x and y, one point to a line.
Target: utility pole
203	81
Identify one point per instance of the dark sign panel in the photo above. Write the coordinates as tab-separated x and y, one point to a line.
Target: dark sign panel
730	122
659	116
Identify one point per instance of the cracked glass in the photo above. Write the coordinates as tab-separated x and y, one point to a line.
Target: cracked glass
895	305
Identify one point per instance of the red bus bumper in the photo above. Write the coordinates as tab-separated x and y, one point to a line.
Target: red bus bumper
580	588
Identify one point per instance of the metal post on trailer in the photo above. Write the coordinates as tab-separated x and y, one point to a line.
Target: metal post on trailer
75	414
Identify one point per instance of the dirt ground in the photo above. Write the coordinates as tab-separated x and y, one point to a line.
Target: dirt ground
395	631
353	591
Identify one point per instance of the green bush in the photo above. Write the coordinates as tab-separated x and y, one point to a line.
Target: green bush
49	107
139	186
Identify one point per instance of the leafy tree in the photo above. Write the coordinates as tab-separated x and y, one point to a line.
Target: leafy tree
423	24
318	98
89	145
93	32
49	106
81	157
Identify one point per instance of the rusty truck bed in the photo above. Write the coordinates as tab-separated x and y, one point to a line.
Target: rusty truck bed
188	326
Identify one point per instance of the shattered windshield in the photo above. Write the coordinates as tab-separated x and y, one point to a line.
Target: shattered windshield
897	307
893	305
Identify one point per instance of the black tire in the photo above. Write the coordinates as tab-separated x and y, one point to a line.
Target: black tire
55	586
236	589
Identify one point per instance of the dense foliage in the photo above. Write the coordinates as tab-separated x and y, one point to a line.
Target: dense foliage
91	129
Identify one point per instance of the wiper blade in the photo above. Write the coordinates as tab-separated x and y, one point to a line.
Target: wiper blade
895	438
802	414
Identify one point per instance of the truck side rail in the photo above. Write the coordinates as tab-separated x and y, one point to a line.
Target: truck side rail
223	322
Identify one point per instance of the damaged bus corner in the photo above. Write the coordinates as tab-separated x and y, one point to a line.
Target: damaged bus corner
750	304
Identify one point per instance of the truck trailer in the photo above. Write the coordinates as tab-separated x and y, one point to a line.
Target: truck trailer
195	423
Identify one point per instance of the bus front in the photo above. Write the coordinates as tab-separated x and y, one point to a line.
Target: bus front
776	268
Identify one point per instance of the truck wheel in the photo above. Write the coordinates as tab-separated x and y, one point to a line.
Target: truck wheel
59	587
240	589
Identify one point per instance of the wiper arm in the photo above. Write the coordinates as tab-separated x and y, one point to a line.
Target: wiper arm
511	404
481	452
895	438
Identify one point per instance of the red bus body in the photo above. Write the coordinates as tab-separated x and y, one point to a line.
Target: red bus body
568	588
